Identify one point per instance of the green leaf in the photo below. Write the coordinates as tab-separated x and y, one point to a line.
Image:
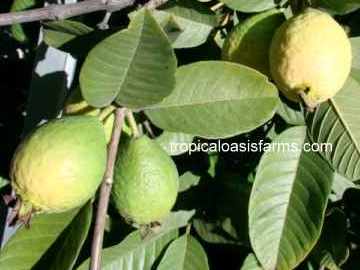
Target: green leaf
185	253
64	252
27	246
251	263
213	161
332	251
216	99
291	113
309	266
288	201
187	23
338	7
328	261
175	143
273	132
136	253
339	186
176	220
188	180
216	232
135	67
16	29
250	6
3	182
336	123
58	33
355	45
225	219
249	42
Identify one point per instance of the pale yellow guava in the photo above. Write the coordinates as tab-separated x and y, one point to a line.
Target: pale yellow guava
59	166
310	57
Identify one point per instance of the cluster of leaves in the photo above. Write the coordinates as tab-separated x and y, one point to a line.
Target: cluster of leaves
181	70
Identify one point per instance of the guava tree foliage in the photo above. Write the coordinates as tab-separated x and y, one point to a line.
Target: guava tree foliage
193	76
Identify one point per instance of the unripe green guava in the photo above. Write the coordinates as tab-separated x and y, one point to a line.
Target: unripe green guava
145	182
60	165
310	56
249	42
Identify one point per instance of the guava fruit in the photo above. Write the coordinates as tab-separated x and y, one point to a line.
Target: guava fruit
59	166
310	57
249	42
145	182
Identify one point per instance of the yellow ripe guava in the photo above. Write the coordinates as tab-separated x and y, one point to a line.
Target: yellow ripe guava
310	56
60	165
145	182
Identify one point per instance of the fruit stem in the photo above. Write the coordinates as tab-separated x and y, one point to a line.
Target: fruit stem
310	106
106	112
188	229
217	6
132	122
105	191
148	128
298	6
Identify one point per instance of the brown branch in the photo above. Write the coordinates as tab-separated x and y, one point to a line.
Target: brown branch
152	4
64	11
105	191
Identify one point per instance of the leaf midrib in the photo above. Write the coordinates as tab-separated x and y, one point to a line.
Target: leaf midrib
132	248
159	106
134	54
287	206
176	14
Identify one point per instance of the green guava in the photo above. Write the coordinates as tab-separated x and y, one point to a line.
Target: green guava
249	42
145	183
310	57
59	166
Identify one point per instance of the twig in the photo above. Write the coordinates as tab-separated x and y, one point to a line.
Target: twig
217	6
104	24
105	190
308	104
225	20
64	11
152	4
148	128
132	122
106	112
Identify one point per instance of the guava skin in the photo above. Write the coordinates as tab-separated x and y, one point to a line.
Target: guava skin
60	165
249	42
146	182
310	54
